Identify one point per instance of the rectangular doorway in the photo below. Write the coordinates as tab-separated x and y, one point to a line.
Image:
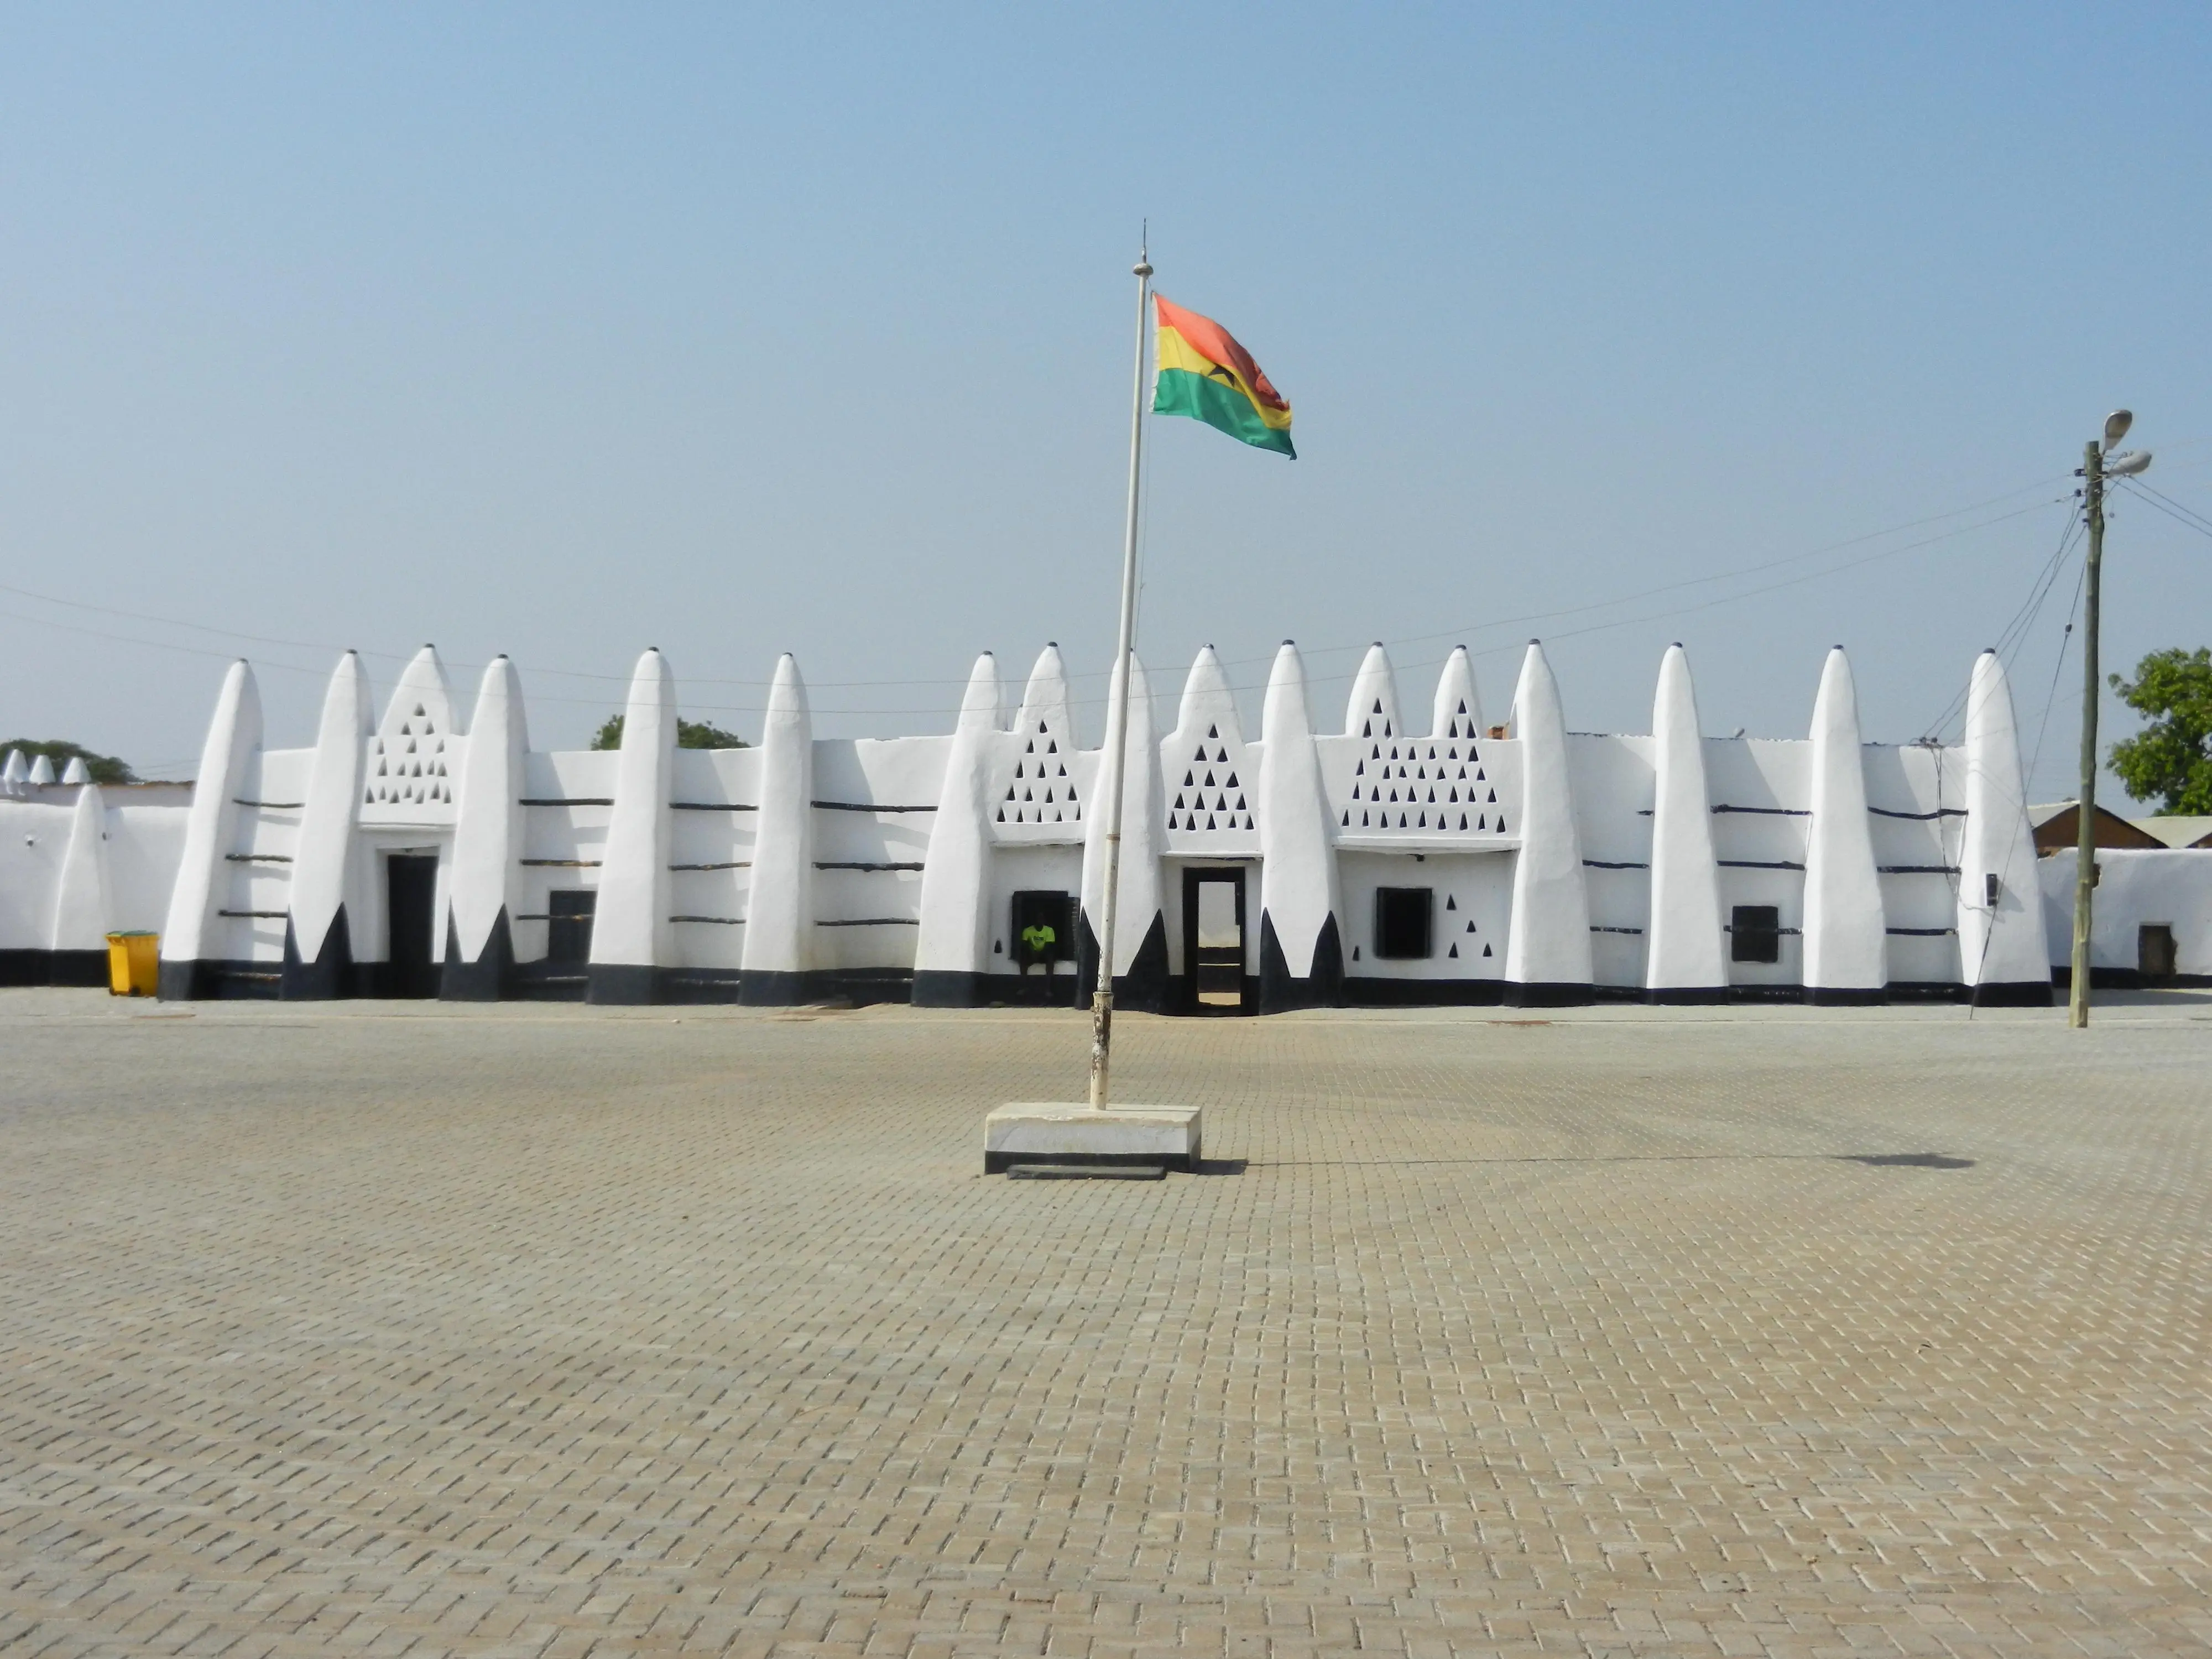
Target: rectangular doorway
411	896
1214	940
2156	957
1044	931
568	913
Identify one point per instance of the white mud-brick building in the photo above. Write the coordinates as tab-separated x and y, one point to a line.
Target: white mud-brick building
1402	855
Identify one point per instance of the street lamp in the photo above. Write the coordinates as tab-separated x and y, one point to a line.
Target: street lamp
2098	464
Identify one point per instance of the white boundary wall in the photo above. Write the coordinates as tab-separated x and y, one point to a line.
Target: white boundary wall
2136	888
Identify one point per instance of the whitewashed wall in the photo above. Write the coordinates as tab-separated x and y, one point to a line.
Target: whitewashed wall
1548	898
2135	888
69	877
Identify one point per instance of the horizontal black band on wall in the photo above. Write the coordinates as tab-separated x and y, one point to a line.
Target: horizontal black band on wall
566	800
219	980
709	807
1422	993
940	987
545	982
856	985
1714	996
2015	993
1546	994
1916	869
719	921
1604	864
1806	812
728	864
81	969
2128	979
622	984
948	988
866	807
1829	996
1924	990
271	805
255	915
559	863
856	864
1767	994
257	857
1920	933
874	922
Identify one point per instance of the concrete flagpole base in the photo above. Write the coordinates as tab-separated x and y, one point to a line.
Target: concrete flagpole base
1049	1132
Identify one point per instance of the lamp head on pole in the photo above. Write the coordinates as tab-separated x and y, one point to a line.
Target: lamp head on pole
2128	464
2116	426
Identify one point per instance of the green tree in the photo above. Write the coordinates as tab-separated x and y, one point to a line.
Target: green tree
2170	760
689	734
104	768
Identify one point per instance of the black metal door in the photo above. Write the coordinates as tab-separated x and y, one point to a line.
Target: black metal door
411	892
1213	941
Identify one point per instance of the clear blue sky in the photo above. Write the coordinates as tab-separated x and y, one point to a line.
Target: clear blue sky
565	331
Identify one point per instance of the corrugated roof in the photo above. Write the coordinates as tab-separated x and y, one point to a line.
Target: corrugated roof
2178	829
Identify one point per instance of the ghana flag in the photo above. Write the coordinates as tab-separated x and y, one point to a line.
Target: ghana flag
1204	373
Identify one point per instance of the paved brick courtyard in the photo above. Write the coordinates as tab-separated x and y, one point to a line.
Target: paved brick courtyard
392	1328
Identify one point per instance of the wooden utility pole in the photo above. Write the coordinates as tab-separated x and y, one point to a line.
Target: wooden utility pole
2085	836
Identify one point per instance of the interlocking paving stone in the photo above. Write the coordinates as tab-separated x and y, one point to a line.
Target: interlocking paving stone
387	1329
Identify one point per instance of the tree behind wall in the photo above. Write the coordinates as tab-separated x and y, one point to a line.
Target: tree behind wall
2170	760
689	734
104	768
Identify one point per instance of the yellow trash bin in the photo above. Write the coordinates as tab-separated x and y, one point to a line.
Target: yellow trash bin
134	964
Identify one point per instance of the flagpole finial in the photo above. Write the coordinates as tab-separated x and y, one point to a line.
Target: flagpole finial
1144	266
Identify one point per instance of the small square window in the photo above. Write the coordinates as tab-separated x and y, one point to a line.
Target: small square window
1402	916
1755	933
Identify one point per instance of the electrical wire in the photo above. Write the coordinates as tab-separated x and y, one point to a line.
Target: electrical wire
2150	489
2023	619
1314	679
2034	765
1725	576
2173	509
2057	668
1309	652
1100	697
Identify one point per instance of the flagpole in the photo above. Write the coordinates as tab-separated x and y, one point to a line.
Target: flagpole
1117	714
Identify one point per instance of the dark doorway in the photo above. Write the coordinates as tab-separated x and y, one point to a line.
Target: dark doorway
2155	955
1213	941
1044	931
410	894
568	917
